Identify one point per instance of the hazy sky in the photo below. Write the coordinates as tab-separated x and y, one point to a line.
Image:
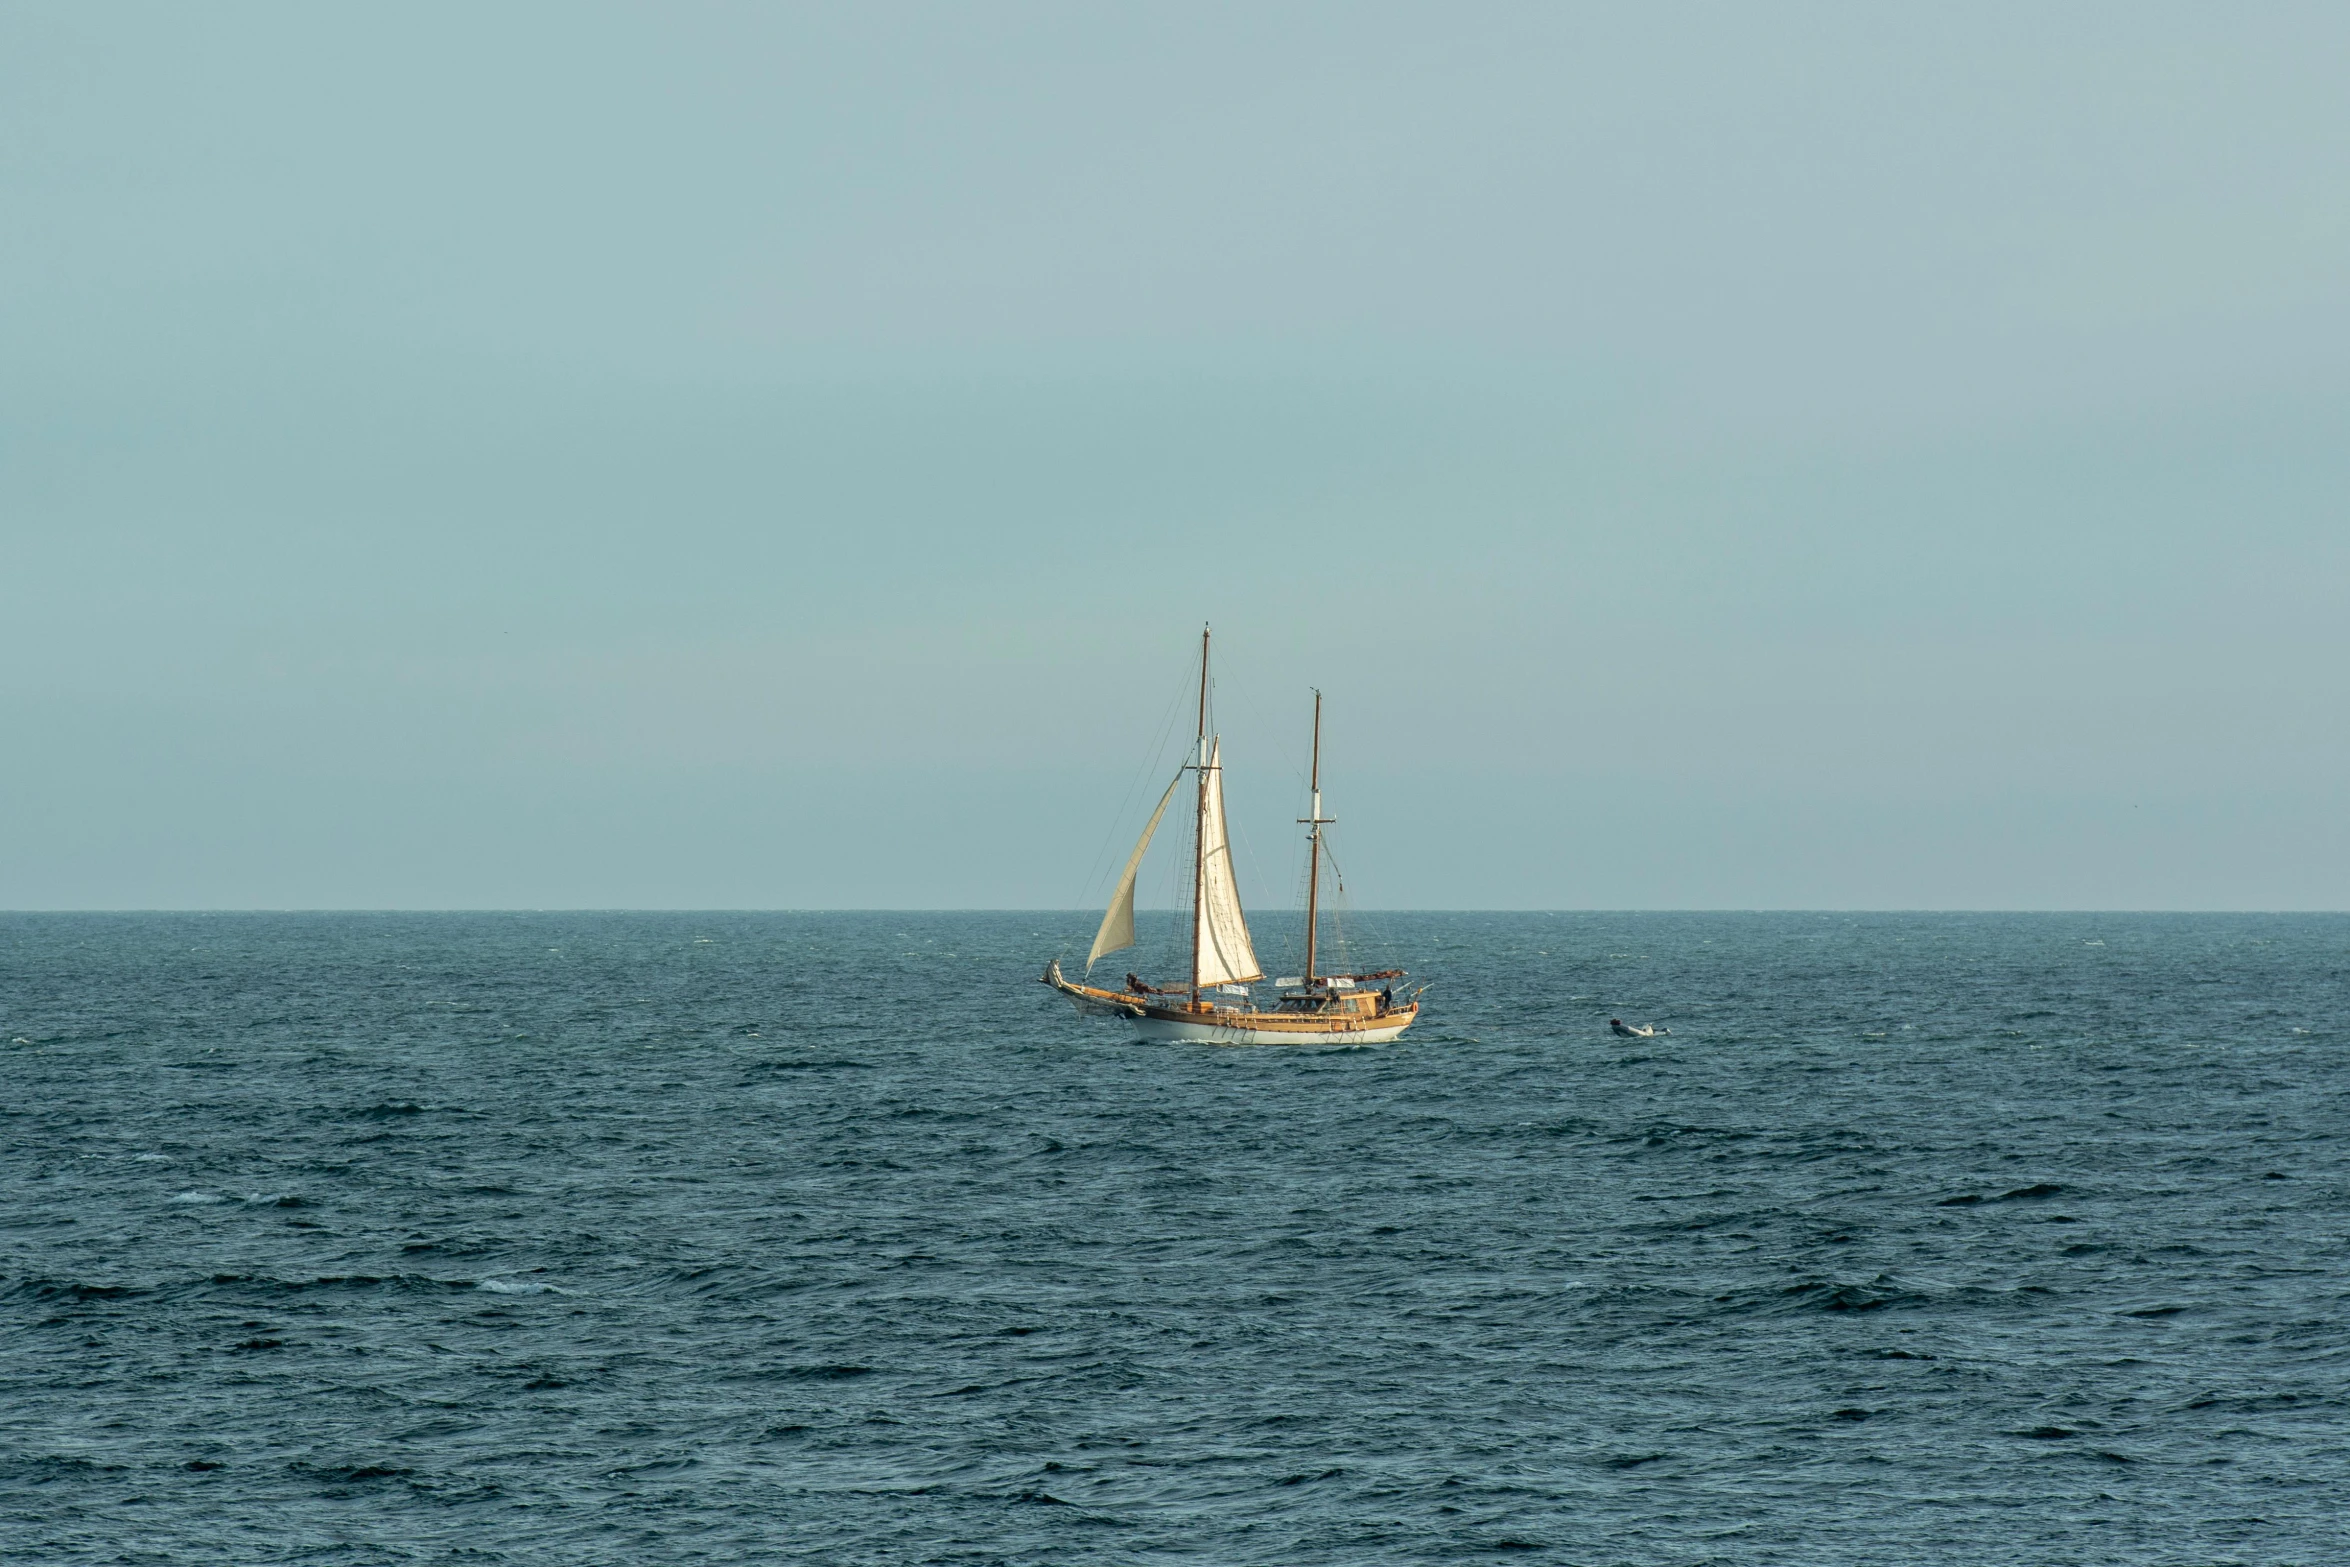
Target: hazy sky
1748	456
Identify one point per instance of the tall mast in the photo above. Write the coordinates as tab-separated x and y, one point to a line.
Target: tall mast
1314	824
1199	825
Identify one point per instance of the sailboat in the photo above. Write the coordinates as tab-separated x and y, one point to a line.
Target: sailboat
1309	1009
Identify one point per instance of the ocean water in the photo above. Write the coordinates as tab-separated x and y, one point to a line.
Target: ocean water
603	1238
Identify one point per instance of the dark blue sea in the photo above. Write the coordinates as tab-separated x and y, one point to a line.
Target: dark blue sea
627	1238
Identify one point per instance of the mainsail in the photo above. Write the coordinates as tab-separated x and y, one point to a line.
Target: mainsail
1117	932
1225	955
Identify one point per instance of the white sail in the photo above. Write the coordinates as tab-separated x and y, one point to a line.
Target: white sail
1117	932
1225	955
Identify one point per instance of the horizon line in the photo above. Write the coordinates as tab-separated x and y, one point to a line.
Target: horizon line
685	909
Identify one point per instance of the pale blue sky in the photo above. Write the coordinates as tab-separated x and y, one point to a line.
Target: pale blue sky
1711	456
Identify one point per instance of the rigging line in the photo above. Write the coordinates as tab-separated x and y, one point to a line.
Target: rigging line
1385	953
1335	909
1150	768
1166	923
1292	938
1275	732
1235	828
1256	715
1301	776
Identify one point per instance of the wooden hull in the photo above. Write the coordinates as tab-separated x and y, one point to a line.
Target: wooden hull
1169	1019
1241	1029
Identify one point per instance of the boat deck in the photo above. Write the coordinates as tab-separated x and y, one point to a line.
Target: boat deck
1345	1017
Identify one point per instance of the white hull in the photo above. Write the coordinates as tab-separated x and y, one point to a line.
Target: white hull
1224	1027
1211	1033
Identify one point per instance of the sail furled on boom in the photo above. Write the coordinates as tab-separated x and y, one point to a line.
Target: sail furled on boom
1117	932
1225	954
